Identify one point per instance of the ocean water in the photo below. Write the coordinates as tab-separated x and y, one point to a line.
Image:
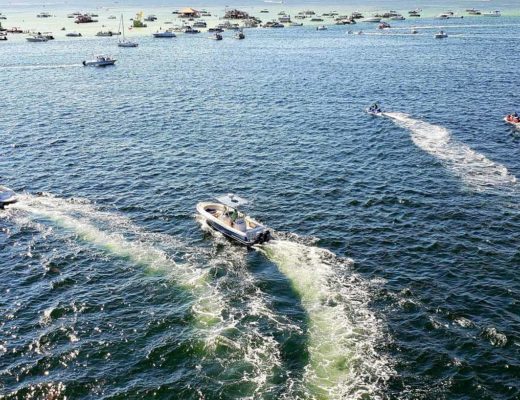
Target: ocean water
394	273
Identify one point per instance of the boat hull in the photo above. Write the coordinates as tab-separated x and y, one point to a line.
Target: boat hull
7	196
98	63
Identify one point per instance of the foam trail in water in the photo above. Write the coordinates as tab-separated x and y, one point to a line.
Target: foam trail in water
473	168
342	330
261	351
36	67
81	218
220	326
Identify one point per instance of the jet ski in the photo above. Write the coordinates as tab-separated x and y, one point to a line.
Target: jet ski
374	110
7	196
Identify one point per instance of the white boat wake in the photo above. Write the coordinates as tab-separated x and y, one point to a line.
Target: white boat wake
342	331
219	327
473	168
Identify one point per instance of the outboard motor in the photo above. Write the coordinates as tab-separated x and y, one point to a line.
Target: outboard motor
263	237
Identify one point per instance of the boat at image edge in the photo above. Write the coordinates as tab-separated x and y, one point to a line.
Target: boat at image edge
7	196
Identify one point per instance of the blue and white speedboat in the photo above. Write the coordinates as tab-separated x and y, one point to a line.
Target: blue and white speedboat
224	217
7	196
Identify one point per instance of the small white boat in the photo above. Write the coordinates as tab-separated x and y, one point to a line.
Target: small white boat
124	42
73	34
7	196
100	61
296	23
36	38
397	18
164	34
495	13
372	19
44	15
216	36
240	35
224	216
441	35
321	28
106	34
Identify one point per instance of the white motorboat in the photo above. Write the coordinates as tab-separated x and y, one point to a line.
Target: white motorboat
449	15
100	61
7	196
225	217
240	35
124	42
473	11
36	38
372	19
73	34
321	28
164	34
106	34
441	35
216	36
44	15
397	18
495	13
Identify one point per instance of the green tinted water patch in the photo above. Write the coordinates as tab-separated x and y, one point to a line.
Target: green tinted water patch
342	331
225	345
82	219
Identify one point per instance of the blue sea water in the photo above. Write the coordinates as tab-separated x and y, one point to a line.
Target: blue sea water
394	272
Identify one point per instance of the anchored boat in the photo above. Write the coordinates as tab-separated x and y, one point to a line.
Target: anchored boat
224	216
7	196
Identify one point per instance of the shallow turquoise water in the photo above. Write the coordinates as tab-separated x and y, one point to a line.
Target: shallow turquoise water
394	272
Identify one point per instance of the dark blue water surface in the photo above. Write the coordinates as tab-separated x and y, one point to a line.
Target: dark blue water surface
395	272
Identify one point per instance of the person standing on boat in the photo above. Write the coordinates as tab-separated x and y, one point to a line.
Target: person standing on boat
234	215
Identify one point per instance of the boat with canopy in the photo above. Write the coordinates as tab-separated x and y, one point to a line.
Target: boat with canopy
224	216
